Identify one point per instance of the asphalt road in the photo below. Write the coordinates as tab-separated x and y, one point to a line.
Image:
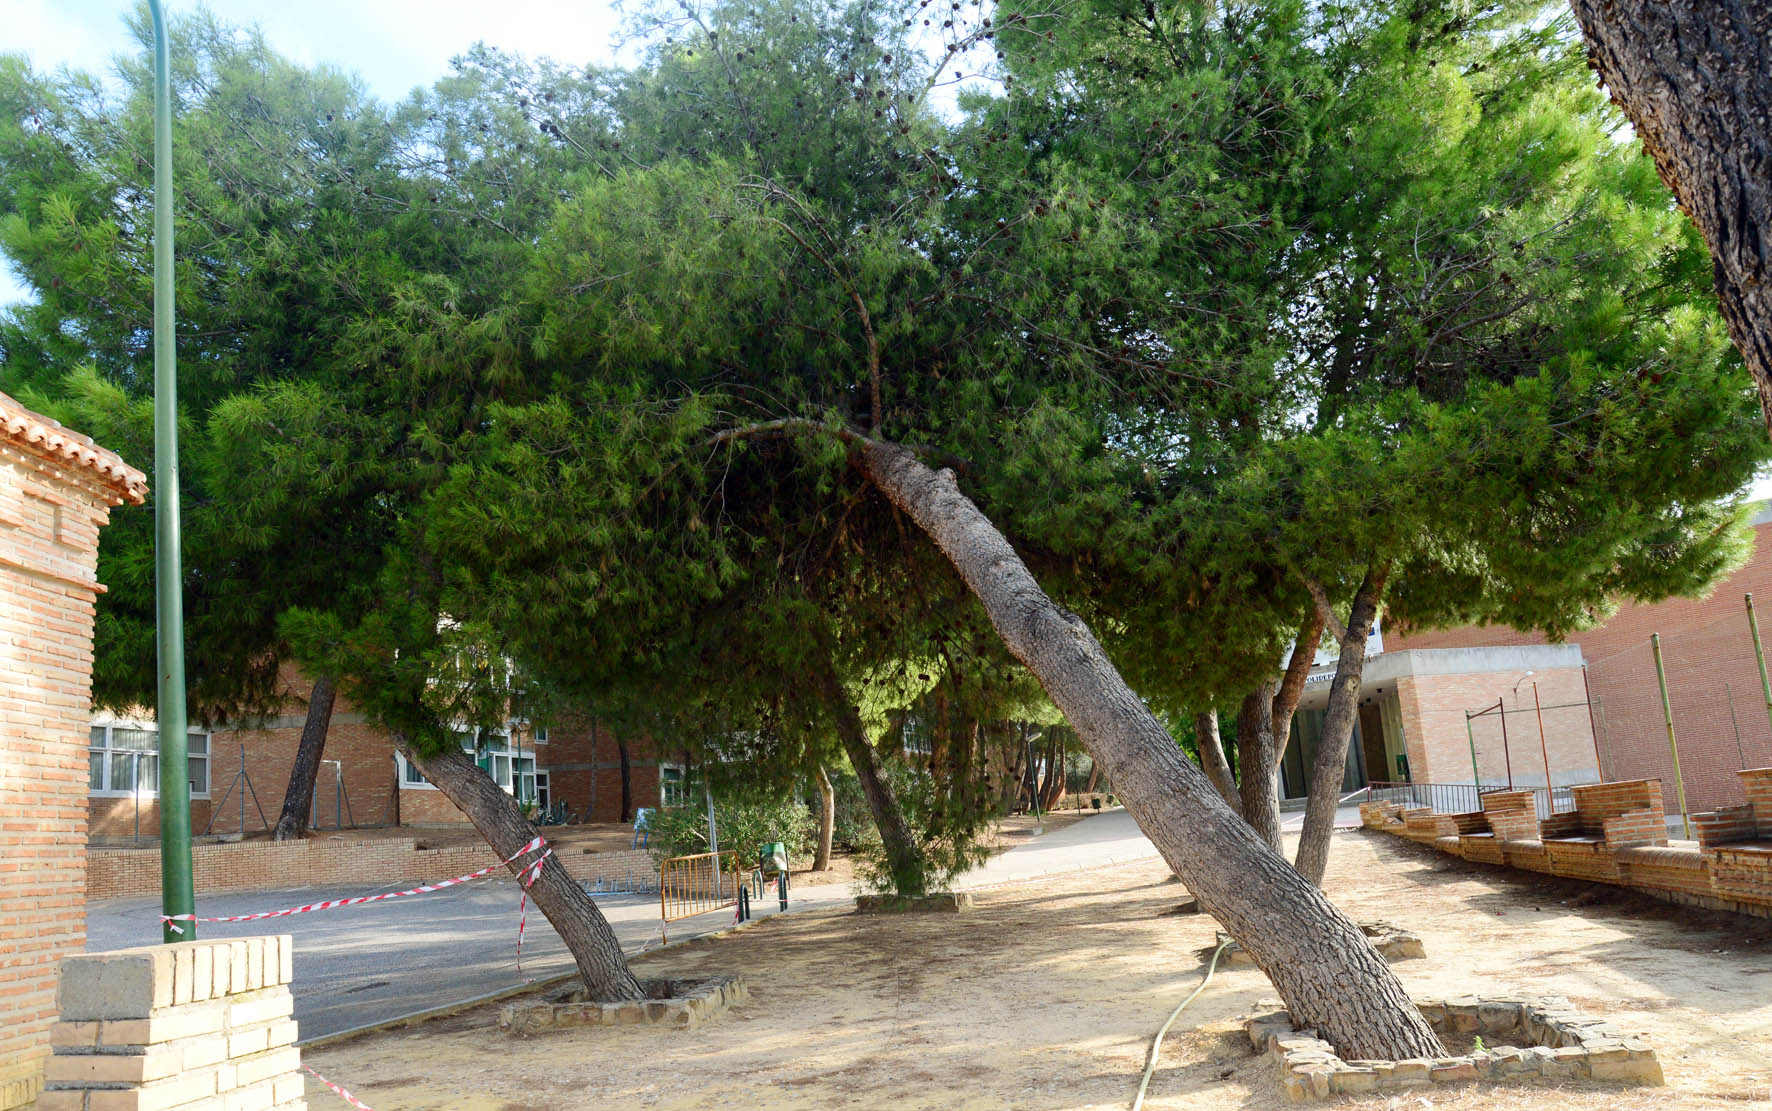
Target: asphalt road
367	964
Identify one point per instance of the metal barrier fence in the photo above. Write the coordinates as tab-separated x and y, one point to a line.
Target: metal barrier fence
1465	798
699	884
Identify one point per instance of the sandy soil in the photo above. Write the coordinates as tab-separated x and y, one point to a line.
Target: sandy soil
1046	996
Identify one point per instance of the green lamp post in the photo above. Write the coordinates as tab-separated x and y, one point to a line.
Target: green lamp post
177	897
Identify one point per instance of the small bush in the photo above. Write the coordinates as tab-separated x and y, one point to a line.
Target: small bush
744	824
949	828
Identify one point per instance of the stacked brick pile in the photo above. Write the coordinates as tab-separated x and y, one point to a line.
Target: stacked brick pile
1616	834
196	1026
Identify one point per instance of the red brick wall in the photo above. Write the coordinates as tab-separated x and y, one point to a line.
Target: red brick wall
51	510
330	862
583	763
1720	719
1735	877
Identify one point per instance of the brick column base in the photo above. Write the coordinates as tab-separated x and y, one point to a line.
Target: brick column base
197	1026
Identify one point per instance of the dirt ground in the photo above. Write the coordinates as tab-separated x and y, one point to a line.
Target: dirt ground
1046	995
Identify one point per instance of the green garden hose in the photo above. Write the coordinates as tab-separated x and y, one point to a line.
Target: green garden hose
1157	1042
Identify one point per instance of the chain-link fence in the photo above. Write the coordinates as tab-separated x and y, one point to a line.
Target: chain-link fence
1720	715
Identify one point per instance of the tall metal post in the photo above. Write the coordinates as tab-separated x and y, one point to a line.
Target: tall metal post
1593	726
1471	735
1753	623
1506	756
1667	710
177	896
1543	749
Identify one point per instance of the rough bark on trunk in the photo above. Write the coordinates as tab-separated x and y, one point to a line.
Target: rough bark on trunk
1212	760
1322	965
904	856
1258	763
627	780
827	820
1095	776
1330	764
298	798
1298	669
1692	78
574	916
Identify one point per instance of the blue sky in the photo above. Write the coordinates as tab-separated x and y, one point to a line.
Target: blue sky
393	45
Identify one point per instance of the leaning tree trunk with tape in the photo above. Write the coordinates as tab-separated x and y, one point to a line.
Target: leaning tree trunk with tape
575	917
1328	973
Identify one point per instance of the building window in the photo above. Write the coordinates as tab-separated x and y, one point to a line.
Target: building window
916	738
541	734
508	766
124	761
673	786
410	776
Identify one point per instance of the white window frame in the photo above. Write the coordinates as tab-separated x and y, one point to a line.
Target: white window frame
666	785
499	748
109	725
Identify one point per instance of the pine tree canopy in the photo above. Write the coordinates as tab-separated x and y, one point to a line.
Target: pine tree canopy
1201	304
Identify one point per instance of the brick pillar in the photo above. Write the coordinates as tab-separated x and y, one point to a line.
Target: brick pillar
196	1026
56	490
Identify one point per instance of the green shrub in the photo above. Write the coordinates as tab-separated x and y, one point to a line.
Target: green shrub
949	828
745	824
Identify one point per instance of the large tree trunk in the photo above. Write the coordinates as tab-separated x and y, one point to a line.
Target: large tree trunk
1257	761
298	798
1692	77
1212	760
904	856
1338	726
575	917
1322	965
827	820
627	780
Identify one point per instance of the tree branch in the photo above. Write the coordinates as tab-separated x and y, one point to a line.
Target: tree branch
1320	598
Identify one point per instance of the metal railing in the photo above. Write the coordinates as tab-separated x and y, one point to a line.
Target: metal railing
699	884
1466	798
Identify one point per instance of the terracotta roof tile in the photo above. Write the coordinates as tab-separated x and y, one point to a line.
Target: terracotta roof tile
38	434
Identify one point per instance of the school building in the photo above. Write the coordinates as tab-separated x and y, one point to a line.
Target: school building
238	774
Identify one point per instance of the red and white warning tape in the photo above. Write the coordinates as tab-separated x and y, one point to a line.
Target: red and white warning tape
527	877
333	904
342	1094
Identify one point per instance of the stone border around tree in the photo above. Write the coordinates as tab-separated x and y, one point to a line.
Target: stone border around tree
1392	942
1561	1044
682	1003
